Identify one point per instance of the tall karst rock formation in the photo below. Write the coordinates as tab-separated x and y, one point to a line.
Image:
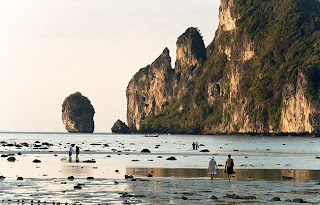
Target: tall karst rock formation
261	74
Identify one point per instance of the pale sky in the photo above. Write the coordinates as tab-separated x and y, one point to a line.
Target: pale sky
50	49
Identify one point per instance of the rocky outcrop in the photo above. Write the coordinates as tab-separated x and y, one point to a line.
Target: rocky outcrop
77	114
120	127
253	77
298	114
149	90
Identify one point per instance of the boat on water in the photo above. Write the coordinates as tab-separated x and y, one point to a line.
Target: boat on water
152	135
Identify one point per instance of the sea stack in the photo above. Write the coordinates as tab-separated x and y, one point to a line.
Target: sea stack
77	114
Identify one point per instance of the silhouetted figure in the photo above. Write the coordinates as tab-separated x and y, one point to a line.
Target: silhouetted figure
77	151
228	168
193	145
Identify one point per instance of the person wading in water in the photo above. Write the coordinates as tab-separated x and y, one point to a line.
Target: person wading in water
228	168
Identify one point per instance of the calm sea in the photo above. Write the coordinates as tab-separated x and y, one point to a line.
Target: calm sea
249	152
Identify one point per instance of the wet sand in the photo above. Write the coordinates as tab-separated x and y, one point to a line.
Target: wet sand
265	169
47	182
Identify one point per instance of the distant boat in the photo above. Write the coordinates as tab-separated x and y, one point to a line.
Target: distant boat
151	135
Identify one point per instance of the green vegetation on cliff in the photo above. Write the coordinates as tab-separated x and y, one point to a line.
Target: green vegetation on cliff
285	39
286	35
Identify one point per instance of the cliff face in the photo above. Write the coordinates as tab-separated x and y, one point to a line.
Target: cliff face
77	114
259	75
149	90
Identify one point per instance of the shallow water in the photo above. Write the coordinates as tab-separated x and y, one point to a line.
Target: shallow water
260	163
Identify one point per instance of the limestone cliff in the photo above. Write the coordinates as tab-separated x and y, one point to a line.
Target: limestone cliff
77	114
260	74
149	90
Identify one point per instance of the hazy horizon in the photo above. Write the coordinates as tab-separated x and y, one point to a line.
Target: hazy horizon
51	49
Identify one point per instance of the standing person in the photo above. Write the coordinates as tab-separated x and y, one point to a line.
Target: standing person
77	151
70	150
193	145
197	145
212	167
228	168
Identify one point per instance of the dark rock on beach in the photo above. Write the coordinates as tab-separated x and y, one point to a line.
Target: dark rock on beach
171	158
298	200
145	151
77	187
287	178
89	161
276	198
11	159
20	178
235	196
204	150
90	178
36	161
71	178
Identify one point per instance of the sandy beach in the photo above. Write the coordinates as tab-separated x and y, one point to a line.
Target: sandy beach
99	174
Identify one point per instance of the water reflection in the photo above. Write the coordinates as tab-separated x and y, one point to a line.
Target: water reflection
241	175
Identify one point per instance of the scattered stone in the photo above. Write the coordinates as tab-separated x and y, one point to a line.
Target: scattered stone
36	161
135	160
146	151
63	182
298	200
4	155
159	157
71	178
184	198
317	157
287	178
19	153
276	198
116	170
213	197
90	178
2	177
126	195
128	177
115	182
20	178
288	200
77	187
150	160
171	158
204	150
108	156
89	161
95	144
235	196
11	159
236	150
149	175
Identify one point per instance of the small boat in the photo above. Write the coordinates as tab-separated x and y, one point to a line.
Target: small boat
151	135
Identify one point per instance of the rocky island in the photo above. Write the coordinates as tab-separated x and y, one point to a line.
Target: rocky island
260	75
77	114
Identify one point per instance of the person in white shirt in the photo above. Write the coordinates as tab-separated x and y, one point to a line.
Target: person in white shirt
212	167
